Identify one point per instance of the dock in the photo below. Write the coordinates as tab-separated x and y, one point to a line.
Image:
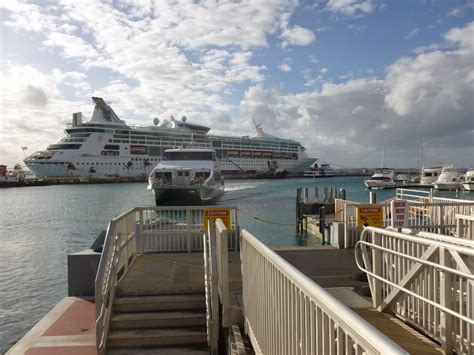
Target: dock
175	280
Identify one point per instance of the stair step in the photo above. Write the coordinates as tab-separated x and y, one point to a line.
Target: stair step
158	319
157	337
159	303
191	350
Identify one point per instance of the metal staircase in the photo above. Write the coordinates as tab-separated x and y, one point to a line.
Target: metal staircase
161	322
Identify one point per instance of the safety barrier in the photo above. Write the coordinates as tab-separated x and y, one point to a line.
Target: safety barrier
287	313
425	279
148	230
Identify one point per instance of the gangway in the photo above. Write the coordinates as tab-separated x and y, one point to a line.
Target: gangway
168	281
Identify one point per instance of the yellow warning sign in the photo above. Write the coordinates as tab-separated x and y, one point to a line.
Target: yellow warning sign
217	213
369	215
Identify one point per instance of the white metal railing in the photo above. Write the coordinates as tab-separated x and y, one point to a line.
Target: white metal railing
178	229
222	258
118	254
287	313
414	195
146	230
425	279
465	226
211	288
439	216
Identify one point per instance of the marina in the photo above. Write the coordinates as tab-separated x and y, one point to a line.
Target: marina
244	193
236	177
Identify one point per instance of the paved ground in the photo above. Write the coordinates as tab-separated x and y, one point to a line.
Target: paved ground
69	328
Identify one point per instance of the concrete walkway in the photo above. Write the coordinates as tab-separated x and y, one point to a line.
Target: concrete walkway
69	328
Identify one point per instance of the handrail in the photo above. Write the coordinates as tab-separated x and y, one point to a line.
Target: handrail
425	279
354	326
413	238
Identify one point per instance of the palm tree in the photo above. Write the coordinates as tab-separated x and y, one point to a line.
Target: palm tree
146	164
17	168
128	166
91	171
69	167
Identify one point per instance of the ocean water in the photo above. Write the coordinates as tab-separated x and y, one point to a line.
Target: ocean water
39	226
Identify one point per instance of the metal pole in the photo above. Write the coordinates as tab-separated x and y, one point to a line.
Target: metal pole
372	197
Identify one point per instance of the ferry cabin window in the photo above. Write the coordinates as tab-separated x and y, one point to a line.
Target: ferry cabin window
188	156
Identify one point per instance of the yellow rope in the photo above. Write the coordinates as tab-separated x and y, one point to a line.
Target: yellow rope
265	220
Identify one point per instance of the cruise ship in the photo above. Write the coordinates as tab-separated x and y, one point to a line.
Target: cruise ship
107	146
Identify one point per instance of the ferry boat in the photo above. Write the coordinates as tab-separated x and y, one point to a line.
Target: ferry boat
448	179
319	170
429	175
107	146
382	178
187	171
468	184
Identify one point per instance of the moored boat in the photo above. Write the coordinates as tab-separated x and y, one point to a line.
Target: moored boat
382	178
468	184
429	175
448	179
193	172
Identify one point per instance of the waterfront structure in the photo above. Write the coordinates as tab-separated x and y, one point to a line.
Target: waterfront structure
187	171
107	146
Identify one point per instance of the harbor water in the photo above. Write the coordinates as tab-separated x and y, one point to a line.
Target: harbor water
39	226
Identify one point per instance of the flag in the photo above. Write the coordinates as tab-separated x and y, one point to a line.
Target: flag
24	148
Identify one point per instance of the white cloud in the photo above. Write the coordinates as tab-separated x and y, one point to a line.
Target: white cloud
285	67
352	8
297	36
429	95
324	71
412	33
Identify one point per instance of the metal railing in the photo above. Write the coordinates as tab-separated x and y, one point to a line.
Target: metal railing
118	254
178	229
438	216
465	226
287	313
425	279
211	288
414	195
222	258
147	230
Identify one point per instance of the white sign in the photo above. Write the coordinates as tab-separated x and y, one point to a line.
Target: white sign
399	213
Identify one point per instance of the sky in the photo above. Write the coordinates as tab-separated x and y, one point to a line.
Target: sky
349	79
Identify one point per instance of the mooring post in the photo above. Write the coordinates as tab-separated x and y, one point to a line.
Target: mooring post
372	197
305	193
342	194
322	223
297	207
